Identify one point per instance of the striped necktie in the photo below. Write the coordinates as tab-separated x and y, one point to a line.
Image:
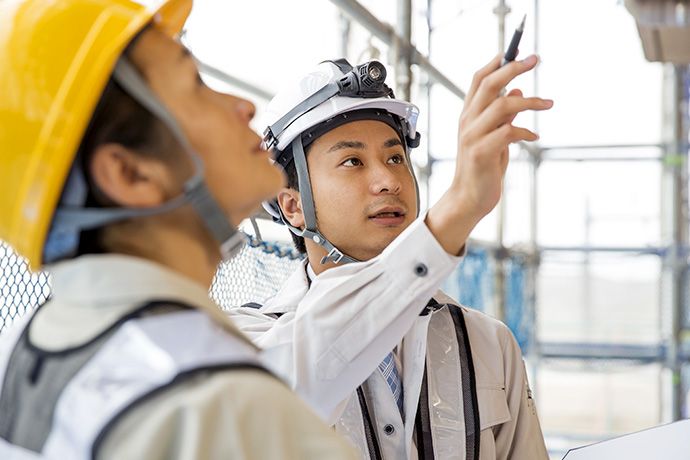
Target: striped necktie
390	373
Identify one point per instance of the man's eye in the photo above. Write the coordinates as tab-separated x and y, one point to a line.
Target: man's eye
352	162
397	159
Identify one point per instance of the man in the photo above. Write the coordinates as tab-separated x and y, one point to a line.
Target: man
360	330
116	159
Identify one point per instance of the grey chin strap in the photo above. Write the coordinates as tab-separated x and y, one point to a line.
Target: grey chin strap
196	192
310	231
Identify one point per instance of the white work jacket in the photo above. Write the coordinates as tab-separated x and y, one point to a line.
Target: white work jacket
179	382
327	339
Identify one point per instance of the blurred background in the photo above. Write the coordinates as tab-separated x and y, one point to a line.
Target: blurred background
586	256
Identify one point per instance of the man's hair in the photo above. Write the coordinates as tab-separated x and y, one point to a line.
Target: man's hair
293	183
119	119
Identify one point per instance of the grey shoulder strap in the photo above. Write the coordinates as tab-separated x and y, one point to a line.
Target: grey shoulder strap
136	358
139	358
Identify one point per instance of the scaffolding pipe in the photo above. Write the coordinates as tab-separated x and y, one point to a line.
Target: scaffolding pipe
602	146
501	11
534	353
403	60
388	35
426	171
533	259
344	24
578	159
233	81
601	159
535	43
636	250
602	351
676	256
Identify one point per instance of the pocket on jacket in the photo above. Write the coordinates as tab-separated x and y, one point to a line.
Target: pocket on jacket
493	407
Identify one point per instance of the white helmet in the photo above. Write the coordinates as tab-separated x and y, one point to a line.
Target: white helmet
334	87
333	94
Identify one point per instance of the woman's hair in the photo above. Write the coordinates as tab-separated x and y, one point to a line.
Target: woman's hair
119	119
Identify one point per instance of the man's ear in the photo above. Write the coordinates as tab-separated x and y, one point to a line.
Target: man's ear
128	179
290	203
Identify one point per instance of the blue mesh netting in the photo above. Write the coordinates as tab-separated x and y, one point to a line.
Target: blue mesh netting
519	319
472	284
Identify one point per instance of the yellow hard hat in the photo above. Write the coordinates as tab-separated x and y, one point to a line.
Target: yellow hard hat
56	57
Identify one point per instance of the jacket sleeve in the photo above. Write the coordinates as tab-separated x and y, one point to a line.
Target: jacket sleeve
231	415
349	318
521	436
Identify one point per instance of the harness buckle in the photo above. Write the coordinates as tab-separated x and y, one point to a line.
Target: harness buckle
269	138
334	256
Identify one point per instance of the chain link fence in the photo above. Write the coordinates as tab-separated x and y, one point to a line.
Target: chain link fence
254	274
20	290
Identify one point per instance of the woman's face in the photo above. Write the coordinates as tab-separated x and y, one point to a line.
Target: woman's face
237	169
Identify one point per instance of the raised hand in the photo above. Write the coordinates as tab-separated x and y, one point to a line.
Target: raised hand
485	131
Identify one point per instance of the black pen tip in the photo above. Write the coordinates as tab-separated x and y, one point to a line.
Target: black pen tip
522	24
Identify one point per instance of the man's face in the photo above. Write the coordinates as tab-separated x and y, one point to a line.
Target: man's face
364	192
237	170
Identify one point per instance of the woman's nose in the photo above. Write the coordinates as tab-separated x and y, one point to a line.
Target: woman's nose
244	109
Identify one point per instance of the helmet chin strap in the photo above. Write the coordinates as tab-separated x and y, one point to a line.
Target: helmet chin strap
310	231
196	192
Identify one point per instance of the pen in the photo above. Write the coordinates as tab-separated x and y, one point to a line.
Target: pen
511	52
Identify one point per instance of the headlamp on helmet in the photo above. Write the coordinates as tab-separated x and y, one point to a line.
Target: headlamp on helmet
363	81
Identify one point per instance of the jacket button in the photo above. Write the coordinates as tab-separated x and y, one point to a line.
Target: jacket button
420	270
388	429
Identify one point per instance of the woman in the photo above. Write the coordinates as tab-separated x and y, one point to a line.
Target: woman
127	175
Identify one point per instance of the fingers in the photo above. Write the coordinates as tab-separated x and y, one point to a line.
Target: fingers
503	111
480	75
494	146
511	117
490	85
485	132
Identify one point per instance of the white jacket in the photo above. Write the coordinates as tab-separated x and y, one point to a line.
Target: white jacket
192	402
325	340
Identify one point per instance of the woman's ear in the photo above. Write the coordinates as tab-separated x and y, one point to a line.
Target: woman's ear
290	203
128	179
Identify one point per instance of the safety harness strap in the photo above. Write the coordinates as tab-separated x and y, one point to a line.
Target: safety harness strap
469	385
33	383
425	443
369	431
134	359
